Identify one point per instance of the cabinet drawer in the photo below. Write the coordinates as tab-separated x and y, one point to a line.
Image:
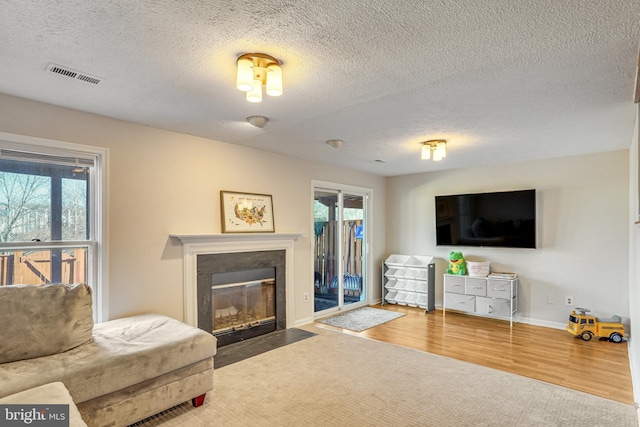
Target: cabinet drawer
475	287
454	284
493	306
500	289
460	302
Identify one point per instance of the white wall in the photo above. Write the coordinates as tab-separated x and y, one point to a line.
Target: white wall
634	258
163	183
583	230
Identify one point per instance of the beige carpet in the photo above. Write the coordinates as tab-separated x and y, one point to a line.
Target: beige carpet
335	379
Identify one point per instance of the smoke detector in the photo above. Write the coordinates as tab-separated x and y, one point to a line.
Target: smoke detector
258	121
335	143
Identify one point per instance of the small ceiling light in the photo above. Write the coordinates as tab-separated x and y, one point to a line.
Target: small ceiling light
256	70
436	146
335	143
258	121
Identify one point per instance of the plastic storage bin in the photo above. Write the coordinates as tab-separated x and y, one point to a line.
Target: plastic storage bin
478	268
391	297
397	260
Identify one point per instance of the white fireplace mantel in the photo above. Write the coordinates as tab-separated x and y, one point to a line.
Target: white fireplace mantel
200	244
189	239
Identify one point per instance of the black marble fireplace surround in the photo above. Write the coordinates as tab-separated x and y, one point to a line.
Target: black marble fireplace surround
240	266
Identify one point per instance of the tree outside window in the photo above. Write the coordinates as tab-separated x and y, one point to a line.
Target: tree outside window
42	202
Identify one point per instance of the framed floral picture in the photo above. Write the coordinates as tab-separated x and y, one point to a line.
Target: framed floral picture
246	212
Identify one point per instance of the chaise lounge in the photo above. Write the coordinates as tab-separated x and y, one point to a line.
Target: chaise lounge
117	372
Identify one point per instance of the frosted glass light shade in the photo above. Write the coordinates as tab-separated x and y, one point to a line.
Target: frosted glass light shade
426	152
244	79
255	94
441	150
274	80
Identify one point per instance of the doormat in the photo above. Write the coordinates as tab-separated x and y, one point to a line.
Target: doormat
360	319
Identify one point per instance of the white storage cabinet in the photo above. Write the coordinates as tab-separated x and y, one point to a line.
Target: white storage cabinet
484	296
409	280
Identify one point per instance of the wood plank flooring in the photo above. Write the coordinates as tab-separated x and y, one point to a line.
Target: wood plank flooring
596	367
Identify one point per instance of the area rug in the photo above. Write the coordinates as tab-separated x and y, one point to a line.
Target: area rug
338	379
361	318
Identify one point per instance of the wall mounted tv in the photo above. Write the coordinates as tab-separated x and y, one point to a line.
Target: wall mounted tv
499	219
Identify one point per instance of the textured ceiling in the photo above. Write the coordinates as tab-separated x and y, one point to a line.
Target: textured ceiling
502	81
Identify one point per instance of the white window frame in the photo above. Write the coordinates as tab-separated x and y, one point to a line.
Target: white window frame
97	246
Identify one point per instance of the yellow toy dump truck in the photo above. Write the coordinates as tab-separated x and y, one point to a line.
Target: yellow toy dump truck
586	326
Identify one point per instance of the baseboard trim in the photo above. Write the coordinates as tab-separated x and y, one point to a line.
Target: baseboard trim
539	322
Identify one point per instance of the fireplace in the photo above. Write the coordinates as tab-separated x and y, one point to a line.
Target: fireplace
242	305
222	271
241	295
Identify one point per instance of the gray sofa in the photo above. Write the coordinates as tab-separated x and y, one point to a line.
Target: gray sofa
117	372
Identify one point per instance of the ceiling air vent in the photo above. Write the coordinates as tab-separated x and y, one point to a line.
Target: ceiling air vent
68	72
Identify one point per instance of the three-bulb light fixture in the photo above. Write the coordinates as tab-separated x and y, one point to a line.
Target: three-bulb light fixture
436	146
256	70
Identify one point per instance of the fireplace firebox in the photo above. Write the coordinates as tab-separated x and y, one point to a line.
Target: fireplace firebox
241	295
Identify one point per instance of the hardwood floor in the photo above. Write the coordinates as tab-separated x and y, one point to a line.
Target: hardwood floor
596	367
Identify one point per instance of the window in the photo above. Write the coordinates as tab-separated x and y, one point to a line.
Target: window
51	215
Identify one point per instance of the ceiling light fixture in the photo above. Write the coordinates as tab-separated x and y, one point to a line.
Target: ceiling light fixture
435	146
258	121
335	143
256	70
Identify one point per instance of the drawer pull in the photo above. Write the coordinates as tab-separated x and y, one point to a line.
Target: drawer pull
476	287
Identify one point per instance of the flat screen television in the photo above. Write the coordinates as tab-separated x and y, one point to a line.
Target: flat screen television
500	219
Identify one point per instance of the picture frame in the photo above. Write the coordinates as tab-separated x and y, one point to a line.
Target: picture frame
246	212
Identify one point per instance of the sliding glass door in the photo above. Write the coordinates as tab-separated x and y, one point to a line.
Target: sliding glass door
340	255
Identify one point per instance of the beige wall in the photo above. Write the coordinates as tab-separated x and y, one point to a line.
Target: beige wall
583	230
163	183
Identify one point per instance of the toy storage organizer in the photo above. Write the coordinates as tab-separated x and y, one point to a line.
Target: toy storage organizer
482	296
409	280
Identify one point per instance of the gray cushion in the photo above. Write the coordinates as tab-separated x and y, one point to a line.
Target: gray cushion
43	320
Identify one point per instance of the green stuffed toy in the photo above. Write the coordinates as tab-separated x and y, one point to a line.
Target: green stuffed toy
457	264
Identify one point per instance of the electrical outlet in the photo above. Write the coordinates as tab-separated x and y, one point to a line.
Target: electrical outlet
306	297
568	301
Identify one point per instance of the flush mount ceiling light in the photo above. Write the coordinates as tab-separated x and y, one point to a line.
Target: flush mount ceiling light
435	146
335	143
256	70
258	121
